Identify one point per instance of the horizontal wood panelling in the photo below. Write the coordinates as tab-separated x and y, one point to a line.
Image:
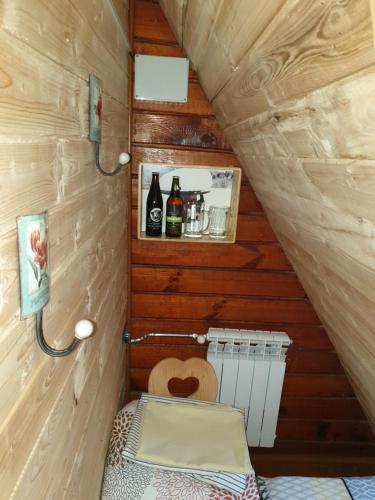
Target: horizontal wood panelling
195	131
186	288
326	385
254	228
175	14
52	408
321	408
180	280
230	39
295	385
307	430
304	460
199	19
309	361
182	156
149	23
249	203
220	307
294	97
155	49
242	255
298	52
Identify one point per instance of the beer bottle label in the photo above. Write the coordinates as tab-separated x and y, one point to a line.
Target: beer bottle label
156	215
174	214
173	221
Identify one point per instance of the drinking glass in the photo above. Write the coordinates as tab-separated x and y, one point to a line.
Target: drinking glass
194	219
217	222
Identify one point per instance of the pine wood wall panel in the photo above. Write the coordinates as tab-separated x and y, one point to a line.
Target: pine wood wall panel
175	14
232	34
199	20
180	130
184	288
308	45
296	111
56	411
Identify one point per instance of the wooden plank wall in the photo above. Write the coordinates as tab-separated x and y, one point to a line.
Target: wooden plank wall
291	82
179	287
56	413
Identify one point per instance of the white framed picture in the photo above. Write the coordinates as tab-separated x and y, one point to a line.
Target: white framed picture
214	186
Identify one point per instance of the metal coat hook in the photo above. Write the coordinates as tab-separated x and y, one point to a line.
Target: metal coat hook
95	121
33	250
123	159
83	330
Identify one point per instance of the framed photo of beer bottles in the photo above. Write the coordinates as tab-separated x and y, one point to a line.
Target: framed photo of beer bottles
188	202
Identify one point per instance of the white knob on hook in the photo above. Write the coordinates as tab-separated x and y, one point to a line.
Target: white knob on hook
84	329
123	158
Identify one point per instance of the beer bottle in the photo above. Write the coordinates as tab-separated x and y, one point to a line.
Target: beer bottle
154	208
173	221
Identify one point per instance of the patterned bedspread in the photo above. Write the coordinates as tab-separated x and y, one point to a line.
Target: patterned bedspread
314	488
125	480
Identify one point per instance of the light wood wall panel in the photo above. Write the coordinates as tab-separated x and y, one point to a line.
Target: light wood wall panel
56	413
175	14
250	284
296	109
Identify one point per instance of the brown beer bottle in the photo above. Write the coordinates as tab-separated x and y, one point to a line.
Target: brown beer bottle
173	221
154	208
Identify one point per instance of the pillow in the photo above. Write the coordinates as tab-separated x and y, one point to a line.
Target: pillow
202	437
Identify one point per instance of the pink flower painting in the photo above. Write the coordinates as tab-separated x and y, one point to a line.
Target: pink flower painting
38	257
39	247
33	262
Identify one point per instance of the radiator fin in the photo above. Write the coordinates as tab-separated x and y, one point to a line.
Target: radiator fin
250	368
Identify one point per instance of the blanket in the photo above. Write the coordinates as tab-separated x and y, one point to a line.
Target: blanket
317	488
127	480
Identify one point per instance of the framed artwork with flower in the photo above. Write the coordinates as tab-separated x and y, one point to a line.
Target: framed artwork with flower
95	108
33	262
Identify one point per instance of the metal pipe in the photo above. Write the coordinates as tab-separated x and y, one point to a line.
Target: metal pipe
201	339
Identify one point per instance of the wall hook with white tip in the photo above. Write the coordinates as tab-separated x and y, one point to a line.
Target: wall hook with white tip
123	159
83	329
95	125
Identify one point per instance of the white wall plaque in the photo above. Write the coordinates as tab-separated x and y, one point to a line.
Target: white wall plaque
159	78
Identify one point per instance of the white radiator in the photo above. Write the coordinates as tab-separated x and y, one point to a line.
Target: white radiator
250	367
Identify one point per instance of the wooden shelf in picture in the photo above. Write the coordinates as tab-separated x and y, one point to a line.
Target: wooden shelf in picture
213	186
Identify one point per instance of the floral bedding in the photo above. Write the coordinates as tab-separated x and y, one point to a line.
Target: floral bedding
126	480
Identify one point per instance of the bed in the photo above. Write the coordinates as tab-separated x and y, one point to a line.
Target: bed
126	480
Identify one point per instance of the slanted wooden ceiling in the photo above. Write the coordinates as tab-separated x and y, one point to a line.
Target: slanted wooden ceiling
292	83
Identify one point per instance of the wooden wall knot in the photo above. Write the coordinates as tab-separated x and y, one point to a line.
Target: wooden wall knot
217	308
173	282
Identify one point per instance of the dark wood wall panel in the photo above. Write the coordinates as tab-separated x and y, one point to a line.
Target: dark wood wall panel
189	287
240	282
177	129
240	255
215	307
